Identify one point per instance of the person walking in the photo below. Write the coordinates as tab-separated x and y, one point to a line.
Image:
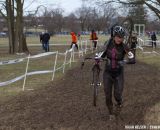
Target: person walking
113	75
45	41
154	39
74	40
94	38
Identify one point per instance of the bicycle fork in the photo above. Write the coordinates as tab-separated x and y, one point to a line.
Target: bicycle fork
96	78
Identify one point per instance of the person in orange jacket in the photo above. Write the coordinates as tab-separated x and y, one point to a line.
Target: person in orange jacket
74	40
94	38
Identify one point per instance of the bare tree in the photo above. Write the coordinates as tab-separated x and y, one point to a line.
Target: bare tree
138	14
53	20
83	13
72	23
14	18
153	5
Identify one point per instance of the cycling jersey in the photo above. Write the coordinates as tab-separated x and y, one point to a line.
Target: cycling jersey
74	37
114	53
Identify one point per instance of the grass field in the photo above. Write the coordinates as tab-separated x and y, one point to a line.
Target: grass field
56	39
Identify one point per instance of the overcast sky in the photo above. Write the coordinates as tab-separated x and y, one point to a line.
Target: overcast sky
67	5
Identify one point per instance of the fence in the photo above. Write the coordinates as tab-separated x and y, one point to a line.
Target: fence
71	53
147	42
143	43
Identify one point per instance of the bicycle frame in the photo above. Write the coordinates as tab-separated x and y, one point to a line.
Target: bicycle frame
96	79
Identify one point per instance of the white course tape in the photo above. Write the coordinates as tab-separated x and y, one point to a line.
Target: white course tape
151	52
22	76
141	48
12	61
42	54
62	54
22	59
59	68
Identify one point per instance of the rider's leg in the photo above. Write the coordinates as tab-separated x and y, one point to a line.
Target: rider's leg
95	44
71	45
118	88
108	82
76	46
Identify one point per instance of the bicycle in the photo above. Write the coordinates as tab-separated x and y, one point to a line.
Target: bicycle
96	73
95	79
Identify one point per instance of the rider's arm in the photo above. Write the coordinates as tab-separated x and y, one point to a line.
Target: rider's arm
130	55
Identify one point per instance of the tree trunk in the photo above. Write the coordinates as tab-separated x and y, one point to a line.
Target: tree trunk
20	38
10	22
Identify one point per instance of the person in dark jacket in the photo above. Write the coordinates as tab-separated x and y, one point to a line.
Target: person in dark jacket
41	37
45	41
115	52
154	39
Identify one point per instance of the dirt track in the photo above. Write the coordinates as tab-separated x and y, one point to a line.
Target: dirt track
67	104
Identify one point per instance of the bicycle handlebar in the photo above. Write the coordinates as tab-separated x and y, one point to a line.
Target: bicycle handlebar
123	62
91	58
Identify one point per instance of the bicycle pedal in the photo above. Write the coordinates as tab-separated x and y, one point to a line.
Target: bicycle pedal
92	84
99	84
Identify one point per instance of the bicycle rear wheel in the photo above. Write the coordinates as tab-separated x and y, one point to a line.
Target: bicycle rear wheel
96	72
127	24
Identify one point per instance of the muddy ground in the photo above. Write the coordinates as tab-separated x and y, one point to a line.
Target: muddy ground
67	103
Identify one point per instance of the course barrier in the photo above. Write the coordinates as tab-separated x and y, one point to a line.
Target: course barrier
142	44
71	53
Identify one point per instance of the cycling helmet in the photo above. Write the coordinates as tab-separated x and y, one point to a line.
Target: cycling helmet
118	31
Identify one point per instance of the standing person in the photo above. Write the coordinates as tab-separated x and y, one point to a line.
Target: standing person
94	38
154	38
113	75
41	41
45	40
74	40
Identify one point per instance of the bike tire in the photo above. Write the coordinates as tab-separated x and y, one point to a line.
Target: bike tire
96	73
127	24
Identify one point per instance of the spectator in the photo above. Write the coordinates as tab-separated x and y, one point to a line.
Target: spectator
41	37
153	38
45	41
94	38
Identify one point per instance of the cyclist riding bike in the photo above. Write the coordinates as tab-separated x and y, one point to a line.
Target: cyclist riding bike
94	38
115	52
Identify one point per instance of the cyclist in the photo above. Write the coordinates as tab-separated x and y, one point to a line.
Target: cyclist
74	40
113	74
94	38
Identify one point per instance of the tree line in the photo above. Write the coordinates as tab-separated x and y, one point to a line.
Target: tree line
99	17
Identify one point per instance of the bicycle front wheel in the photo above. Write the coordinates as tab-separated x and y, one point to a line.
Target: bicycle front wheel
96	72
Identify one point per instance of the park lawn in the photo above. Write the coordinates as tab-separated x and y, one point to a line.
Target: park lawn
150	59
56	39
34	82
